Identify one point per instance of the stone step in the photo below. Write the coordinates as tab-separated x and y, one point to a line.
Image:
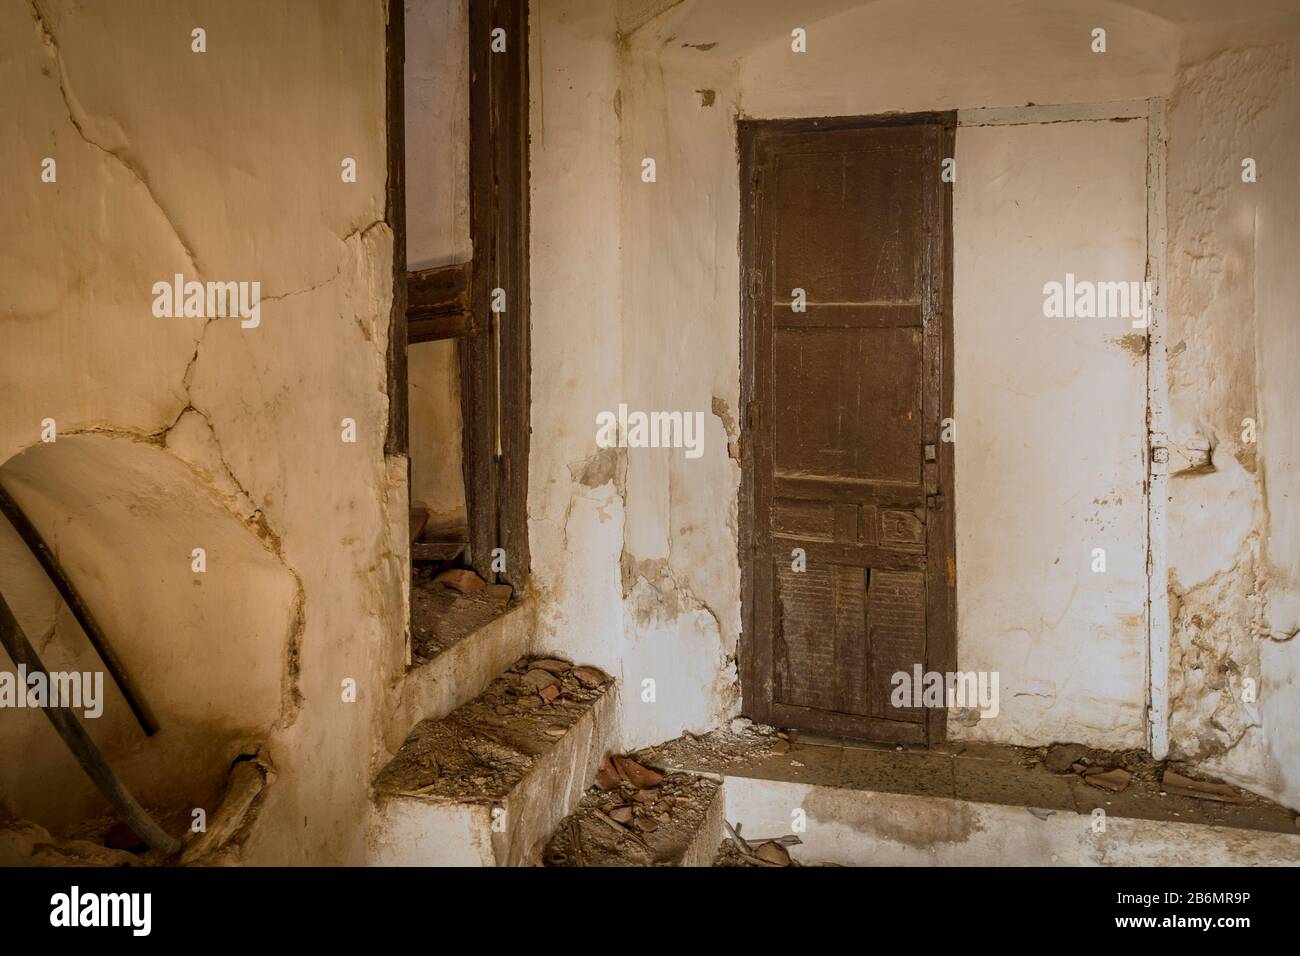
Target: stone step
486	785
967	805
677	823
460	670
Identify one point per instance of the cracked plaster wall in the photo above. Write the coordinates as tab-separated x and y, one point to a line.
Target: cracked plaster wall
224	166
1234	562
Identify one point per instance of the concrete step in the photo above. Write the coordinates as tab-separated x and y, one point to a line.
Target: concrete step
488	783
968	805
684	810
459	671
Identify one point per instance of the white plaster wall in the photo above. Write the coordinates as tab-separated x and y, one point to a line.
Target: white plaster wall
1232	345
437	481
575	500
1051	422
223	165
437	133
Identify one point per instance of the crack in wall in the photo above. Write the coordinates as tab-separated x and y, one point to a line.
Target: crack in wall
52	46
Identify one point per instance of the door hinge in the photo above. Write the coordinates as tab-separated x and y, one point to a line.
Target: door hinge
1159	444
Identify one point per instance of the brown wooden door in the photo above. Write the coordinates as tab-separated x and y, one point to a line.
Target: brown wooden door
846	387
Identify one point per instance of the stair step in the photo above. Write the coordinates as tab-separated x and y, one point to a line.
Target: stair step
686	814
486	784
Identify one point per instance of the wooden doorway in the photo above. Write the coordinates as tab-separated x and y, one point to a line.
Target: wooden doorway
847	551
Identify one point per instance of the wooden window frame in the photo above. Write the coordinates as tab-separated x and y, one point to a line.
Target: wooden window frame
455	302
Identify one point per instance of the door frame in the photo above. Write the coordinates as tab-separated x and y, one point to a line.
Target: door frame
755	648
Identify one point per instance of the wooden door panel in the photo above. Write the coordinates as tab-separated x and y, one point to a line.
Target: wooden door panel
847	403
845	326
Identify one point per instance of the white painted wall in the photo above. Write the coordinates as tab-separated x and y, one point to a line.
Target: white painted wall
1051	421
575	501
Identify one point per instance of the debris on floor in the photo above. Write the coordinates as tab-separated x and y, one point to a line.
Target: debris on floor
441	615
650	823
1176	783
481	750
721	748
1116	781
461	581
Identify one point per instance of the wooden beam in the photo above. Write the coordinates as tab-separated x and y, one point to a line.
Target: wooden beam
511	142
65	722
478	383
495	370
438	303
438	291
397	438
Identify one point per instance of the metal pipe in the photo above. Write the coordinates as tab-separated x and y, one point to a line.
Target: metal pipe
45	557
83	748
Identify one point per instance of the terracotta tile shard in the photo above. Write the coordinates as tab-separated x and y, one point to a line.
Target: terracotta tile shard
607	777
773	853
1115	780
461	581
538	679
646	825
638	776
549	693
499	594
591	676
1176	783
551	665
621	814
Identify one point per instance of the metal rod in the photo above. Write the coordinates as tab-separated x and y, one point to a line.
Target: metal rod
45	557
83	748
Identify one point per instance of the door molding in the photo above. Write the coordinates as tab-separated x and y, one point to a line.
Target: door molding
755	649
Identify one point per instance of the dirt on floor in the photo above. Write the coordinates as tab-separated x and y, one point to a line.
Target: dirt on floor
484	748
1062	776
441	616
629	826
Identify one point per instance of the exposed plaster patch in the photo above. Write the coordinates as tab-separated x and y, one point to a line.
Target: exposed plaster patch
723	413
1213	651
607	466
